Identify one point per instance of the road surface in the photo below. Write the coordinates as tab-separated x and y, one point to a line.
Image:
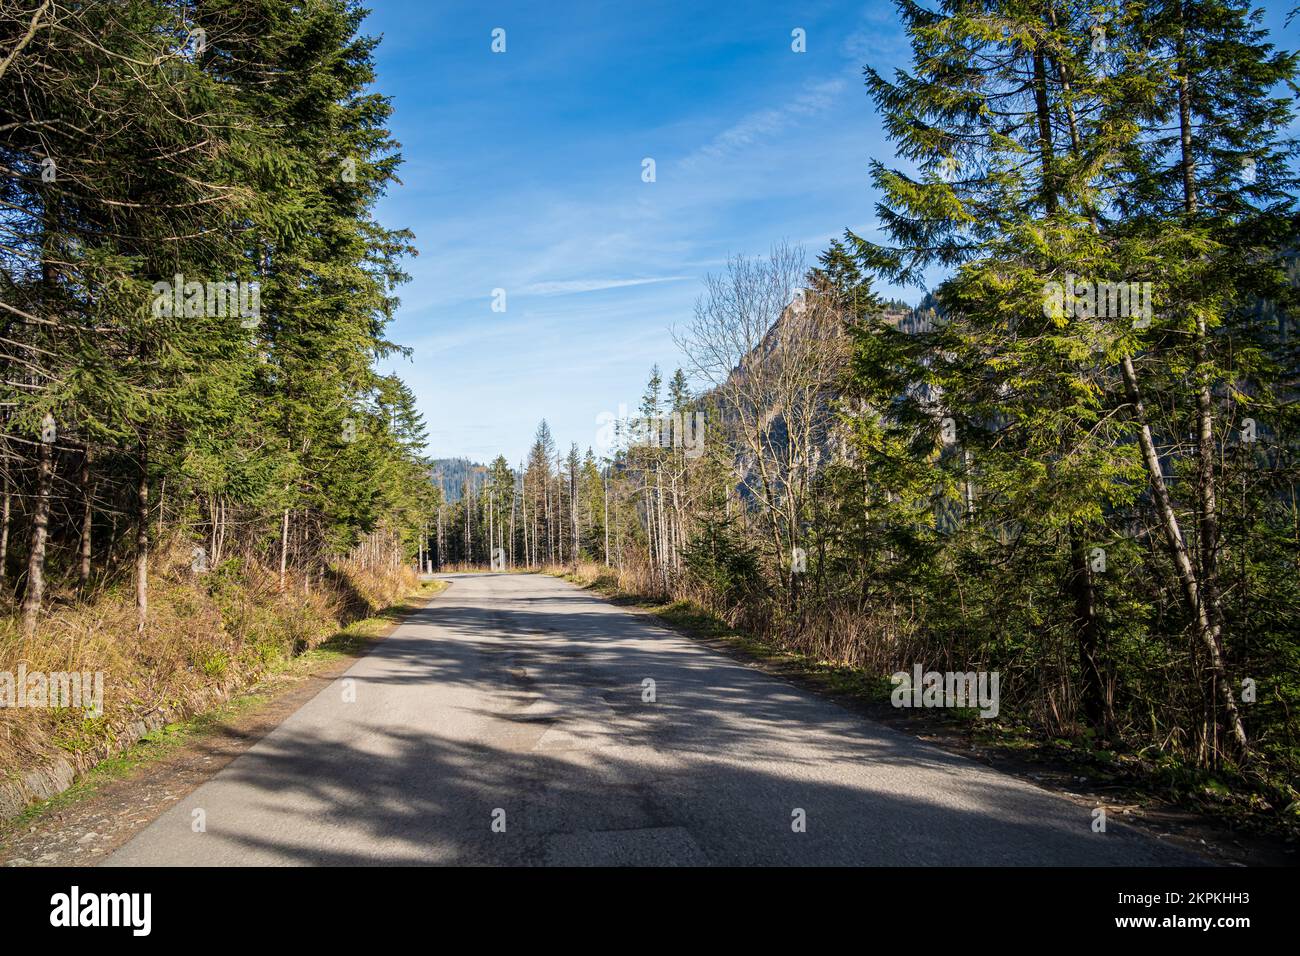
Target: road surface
507	723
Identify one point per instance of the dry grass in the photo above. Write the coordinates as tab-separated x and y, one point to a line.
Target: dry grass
207	636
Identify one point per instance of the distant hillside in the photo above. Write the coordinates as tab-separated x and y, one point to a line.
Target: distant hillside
452	473
911	319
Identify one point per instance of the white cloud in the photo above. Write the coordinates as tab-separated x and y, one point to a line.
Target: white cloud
574	286
815	99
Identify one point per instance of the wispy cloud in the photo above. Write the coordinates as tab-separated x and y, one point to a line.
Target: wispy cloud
815	99
575	286
524	173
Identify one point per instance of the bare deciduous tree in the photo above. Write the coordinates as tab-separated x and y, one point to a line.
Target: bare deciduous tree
771	351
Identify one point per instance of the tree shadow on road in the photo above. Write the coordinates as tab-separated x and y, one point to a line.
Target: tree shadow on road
543	712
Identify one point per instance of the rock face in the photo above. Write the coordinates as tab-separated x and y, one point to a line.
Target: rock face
792	325
40	783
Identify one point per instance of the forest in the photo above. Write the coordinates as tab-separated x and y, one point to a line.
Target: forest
202	467
1074	463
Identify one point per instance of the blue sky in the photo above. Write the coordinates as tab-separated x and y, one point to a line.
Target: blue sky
523	172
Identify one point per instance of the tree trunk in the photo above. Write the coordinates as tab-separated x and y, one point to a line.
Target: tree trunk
284	547
523	506
1086	627
1208	523
40	528
1093	696
87	516
142	541
1049	188
1207	629
4	531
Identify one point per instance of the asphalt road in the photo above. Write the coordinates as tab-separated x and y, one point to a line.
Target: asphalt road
506	724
